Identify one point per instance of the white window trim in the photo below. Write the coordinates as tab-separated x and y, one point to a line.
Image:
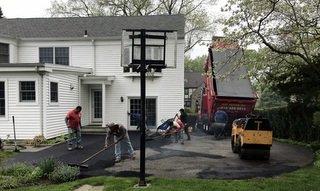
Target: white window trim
50	102
138	97
36	102
54	54
6	97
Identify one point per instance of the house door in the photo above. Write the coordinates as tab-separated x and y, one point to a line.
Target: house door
96	106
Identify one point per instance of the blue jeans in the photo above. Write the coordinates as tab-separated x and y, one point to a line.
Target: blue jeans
74	137
127	145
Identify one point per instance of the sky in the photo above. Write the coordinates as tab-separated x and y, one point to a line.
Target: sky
37	8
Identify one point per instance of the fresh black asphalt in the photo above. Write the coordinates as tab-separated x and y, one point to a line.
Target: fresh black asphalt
203	157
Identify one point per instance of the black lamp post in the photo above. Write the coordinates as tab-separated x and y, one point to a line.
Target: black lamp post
142	65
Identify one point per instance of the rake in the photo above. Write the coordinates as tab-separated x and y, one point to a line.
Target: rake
83	165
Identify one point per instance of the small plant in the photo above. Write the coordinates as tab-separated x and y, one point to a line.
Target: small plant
64	173
38	140
8	182
47	166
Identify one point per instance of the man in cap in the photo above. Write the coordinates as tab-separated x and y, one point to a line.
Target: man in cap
119	133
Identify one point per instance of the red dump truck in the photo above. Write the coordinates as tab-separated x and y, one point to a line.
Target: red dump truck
226	86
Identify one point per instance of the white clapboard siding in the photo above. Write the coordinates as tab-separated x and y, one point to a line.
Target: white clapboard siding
27	115
85	104
67	100
167	89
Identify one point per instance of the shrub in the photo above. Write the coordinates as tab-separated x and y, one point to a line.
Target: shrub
18	170
316	118
47	166
64	173
317	159
8	182
38	140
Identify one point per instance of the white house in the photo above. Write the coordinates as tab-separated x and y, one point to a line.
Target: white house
48	66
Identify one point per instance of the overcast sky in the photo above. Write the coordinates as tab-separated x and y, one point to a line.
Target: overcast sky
37	8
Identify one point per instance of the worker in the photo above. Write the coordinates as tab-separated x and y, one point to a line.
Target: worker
220	122
184	119
136	117
177	127
119	132
73	122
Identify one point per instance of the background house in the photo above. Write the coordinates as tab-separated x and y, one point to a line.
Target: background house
192	90
50	65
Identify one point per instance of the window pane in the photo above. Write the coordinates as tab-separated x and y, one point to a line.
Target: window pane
46	55
27	91
53	92
2	99
62	55
150	111
4	53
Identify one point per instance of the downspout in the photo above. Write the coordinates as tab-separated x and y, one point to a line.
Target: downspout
41	100
94	57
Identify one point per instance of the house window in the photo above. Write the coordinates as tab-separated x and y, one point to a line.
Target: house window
150	111
46	55
53	92
62	55
57	55
27	91
4	53
2	99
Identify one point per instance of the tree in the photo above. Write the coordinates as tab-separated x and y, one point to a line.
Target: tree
289	30
198	22
194	65
1	13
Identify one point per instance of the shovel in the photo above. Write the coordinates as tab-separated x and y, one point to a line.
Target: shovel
83	165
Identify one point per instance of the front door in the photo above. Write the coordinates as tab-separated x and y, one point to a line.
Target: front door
96	105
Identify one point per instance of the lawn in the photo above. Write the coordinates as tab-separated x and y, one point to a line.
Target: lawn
305	179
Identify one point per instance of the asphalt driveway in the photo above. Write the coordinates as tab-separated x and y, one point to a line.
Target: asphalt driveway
202	157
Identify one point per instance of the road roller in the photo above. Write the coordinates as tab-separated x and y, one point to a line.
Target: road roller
251	137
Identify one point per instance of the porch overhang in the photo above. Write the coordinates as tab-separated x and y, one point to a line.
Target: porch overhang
106	80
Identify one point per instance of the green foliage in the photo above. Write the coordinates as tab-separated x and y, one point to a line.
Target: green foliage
8	182
20	174
316	119
194	65
47	166
292	122
317	159
18	170
64	173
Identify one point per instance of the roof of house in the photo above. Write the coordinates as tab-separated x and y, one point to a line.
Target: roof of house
231	80
97	27
192	79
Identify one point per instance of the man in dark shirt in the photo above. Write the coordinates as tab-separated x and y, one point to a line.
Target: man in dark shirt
184	118
119	132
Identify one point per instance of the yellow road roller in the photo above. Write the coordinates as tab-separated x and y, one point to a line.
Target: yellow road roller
251	137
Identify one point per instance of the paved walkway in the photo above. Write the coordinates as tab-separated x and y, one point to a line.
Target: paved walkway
202	157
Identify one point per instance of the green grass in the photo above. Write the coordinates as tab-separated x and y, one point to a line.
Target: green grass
306	179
